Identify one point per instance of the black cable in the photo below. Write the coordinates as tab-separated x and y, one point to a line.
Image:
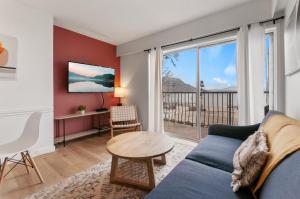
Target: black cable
102	101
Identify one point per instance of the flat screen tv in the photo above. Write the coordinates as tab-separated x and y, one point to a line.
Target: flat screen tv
84	78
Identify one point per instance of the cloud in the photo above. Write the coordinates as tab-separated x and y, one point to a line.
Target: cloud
214	51
230	70
221	82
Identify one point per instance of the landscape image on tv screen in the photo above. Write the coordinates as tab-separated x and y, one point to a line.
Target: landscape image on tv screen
85	78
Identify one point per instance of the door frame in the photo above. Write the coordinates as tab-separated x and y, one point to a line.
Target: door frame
231	37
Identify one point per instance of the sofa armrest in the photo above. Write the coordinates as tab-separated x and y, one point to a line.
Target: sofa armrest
238	132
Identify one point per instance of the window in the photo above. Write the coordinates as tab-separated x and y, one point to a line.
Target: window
268	69
199	88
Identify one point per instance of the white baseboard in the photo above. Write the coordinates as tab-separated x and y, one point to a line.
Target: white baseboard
36	152
27	111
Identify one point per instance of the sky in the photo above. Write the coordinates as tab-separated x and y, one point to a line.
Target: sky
89	70
217	65
267	45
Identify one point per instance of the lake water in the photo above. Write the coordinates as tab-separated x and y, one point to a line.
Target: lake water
88	87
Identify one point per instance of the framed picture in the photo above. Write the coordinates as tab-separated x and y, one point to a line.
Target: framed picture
86	78
8	55
292	41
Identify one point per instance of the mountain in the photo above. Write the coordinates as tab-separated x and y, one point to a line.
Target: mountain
171	84
74	77
106	80
232	88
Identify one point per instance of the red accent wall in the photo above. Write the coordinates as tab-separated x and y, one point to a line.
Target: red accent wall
71	46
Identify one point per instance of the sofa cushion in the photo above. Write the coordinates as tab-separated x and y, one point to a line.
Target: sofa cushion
190	180
216	151
284	180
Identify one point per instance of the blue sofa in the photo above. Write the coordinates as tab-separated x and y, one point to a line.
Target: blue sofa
206	171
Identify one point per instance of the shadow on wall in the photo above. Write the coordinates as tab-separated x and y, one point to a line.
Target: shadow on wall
134	76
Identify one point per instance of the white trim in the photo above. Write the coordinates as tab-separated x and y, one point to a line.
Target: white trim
198	91
272	71
35	152
16	112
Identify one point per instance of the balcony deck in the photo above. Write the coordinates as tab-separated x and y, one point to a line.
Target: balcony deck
184	131
189	131
180	112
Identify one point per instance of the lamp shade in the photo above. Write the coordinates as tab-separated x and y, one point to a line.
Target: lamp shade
119	92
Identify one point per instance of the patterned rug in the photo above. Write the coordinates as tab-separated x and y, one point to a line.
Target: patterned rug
94	182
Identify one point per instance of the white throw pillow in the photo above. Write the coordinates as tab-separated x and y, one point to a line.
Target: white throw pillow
249	160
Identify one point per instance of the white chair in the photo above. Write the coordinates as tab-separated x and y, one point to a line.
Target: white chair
124	118
20	147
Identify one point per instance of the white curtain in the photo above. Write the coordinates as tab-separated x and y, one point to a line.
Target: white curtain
242	63
256	44
276	71
155	109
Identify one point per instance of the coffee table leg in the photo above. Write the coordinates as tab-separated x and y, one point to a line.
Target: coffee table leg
162	161
114	167
150	173
114	178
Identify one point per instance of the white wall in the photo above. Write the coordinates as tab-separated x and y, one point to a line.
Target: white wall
135	79
251	12
292	99
134	61
32	89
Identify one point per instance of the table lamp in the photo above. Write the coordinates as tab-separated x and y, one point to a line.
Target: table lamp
119	92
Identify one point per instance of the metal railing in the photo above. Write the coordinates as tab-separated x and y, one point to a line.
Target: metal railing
215	107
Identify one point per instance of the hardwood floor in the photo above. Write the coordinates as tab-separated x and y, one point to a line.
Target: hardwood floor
64	162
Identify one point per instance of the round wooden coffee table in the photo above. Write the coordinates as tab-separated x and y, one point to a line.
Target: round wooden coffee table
140	146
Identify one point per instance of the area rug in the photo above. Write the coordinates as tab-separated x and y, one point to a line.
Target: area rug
94	182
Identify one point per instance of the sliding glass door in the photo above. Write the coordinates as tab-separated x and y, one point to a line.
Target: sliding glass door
179	86
199	89
218	90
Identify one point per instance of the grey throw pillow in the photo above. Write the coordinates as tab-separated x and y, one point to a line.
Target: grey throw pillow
249	160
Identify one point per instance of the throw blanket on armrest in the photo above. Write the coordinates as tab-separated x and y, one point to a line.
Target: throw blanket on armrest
283	135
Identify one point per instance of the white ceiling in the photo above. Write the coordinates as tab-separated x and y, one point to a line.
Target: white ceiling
121	21
281	4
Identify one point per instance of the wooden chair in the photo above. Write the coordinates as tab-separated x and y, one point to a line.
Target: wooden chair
124	118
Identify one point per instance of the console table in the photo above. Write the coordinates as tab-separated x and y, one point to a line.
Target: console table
63	118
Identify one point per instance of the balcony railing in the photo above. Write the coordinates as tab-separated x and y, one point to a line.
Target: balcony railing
215	107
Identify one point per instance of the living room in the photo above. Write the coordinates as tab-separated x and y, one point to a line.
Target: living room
125	99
